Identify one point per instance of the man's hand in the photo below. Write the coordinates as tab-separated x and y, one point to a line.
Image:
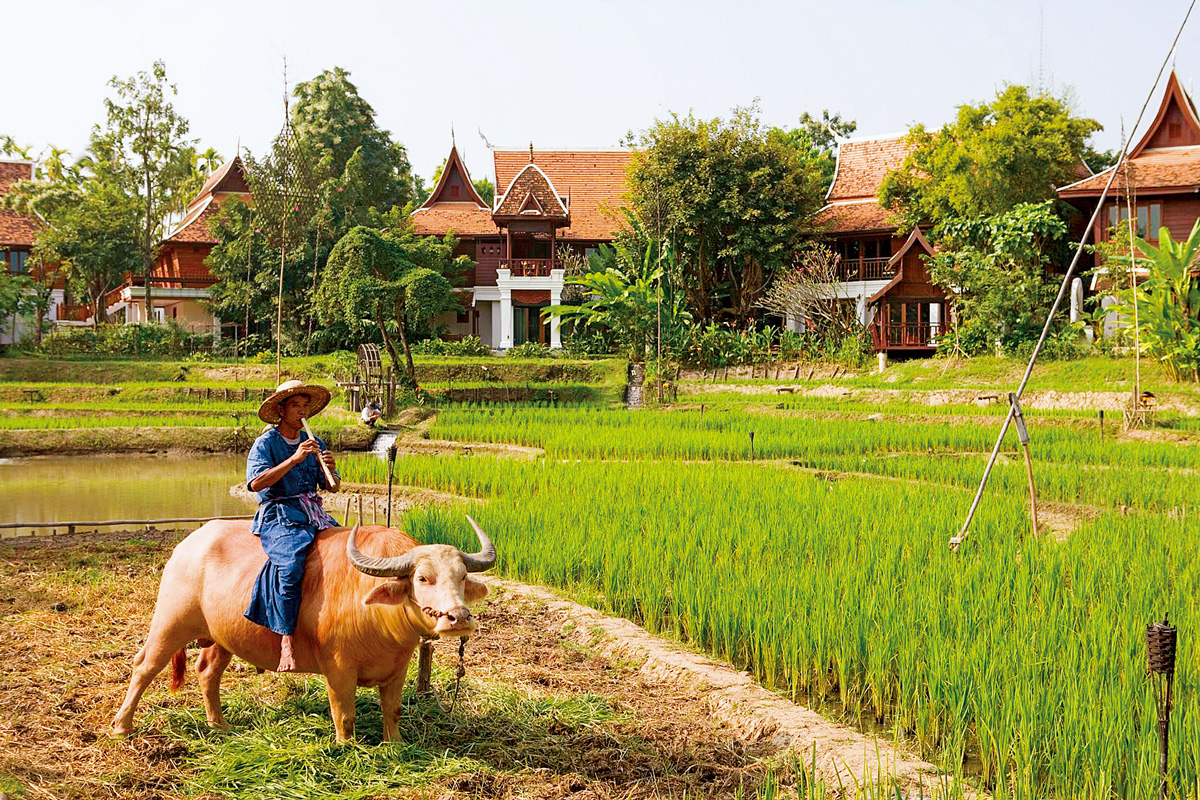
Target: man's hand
327	457
307	447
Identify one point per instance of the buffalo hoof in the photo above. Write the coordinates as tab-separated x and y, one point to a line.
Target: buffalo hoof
118	731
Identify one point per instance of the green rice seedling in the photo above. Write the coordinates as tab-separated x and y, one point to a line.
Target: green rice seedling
1020	660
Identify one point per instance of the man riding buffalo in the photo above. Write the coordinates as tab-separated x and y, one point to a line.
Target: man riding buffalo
284	471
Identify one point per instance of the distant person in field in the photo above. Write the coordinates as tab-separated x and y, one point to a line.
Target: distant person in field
371	414
283	470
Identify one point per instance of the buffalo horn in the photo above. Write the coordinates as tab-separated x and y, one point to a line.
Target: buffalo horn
395	567
486	557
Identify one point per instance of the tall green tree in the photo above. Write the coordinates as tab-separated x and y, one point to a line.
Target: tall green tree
394	280
999	269
365	167
994	156
733	196
142	145
817	139
95	241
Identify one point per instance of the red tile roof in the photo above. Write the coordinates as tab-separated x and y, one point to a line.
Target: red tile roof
1167	157
594	179
1174	169
863	216
15	229
230	177
464	219
862	164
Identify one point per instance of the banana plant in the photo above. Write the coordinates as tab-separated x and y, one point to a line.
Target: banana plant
1168	302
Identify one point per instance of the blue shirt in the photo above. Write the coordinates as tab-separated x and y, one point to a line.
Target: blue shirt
278	504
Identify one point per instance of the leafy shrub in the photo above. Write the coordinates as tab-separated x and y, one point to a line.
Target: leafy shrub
469	346
163	341
529	350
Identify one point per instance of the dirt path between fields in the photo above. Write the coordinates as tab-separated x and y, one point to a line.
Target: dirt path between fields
1035	399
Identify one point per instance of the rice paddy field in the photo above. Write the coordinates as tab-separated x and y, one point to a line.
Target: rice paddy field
814	554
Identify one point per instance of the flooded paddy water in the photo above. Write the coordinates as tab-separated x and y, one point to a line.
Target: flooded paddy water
110	487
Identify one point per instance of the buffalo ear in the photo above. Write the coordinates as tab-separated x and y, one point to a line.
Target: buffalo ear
391	593
475	590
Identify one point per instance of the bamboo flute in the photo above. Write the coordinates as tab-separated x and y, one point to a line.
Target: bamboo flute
329	479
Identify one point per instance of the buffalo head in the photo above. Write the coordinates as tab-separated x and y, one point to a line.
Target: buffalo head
435	576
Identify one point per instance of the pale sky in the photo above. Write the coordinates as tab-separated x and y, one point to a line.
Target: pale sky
573	73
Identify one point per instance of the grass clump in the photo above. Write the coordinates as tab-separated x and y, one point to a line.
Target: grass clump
286	749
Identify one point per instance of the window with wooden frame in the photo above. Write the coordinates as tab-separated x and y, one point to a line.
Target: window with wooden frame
1149	219
17	261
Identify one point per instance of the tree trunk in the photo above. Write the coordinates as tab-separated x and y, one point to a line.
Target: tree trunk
410	368
148	246
387	339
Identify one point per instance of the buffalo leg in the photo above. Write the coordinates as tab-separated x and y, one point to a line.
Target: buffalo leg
389	701
210	666
341	684
150	660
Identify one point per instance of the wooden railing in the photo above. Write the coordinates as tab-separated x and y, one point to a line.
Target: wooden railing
903	334
529	267
73	313
865	269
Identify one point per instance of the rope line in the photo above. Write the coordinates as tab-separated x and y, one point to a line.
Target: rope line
964	533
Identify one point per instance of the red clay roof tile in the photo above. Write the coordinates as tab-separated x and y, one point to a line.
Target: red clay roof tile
862	164
1177	168
16	229
594	179
865	216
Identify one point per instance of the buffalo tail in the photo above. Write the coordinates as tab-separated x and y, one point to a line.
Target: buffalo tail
178	668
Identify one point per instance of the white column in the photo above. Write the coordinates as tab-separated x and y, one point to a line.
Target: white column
506	319
556	276
555	333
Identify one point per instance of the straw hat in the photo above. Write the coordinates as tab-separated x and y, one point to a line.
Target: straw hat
271	409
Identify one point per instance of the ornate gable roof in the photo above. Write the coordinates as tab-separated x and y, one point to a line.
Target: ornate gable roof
531	194
1166	159
229	178
915	239
1175	125
454	185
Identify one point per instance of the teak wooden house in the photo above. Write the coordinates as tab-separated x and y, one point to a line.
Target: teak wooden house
1164	176
545	200
884	274
181	281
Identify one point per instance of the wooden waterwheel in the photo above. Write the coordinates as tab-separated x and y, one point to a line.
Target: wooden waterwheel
370	370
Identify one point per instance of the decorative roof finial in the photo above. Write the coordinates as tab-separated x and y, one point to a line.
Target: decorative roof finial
530	151
452	142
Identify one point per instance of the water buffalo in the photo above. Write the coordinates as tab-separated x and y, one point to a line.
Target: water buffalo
361	616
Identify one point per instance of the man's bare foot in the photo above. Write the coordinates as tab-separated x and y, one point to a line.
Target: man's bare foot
287	661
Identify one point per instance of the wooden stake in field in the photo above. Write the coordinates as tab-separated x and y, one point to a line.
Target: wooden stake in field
1023	435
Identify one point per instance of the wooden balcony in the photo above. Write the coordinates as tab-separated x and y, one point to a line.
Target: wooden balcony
529	267
865	269
906	336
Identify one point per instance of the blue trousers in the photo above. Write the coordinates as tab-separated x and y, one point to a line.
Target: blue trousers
275	600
